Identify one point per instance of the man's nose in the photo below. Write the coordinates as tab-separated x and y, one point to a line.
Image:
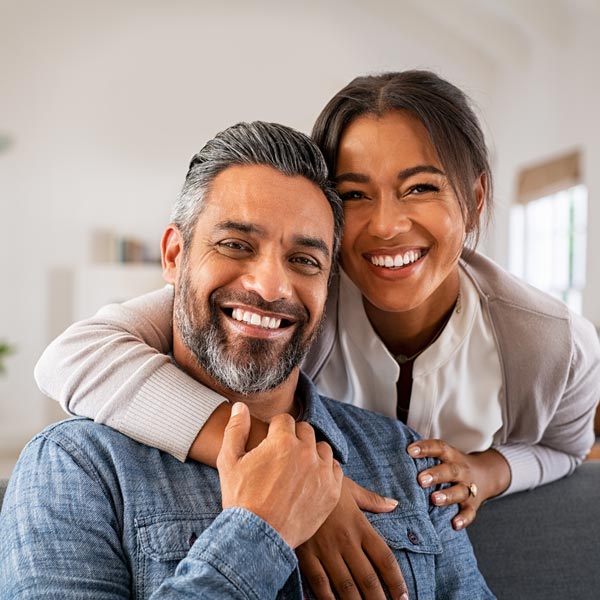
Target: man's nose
269	278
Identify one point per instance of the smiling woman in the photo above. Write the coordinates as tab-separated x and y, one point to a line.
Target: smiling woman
399	208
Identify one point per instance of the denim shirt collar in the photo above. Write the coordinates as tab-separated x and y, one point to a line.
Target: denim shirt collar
316	414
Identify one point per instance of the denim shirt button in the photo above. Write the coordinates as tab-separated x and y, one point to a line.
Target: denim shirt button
412	538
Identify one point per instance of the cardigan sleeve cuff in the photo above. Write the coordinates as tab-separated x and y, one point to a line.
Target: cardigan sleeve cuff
169	411
524	467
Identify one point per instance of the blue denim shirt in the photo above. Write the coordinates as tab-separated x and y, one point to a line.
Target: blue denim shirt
89	513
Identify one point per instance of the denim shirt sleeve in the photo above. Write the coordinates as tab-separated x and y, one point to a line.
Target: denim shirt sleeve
228	561
62	537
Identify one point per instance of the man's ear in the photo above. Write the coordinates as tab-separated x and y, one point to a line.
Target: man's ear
171	251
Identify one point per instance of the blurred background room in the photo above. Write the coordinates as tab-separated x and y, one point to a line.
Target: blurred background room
103	103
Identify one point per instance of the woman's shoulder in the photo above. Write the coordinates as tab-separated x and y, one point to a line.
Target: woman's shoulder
497	286
530	323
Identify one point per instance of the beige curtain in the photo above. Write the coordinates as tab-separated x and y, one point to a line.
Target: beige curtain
549	177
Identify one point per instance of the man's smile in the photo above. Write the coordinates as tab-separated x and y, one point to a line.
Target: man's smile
255	319
254	322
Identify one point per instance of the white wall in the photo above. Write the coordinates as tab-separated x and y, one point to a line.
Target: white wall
547	105
107	101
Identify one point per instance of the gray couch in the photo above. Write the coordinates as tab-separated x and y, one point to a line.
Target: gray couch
543	544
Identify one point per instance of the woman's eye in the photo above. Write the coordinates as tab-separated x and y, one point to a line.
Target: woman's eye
352	195
423	188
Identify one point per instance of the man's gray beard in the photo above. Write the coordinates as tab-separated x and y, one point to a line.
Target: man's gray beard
255	365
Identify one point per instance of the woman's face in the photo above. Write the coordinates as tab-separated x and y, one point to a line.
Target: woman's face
404	230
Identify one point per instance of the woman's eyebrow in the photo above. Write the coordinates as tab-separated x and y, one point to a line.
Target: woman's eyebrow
404	174
353	177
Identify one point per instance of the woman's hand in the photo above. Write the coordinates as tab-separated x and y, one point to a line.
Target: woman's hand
347	554
476	477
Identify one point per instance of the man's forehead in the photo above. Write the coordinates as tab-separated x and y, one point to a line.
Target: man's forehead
259	200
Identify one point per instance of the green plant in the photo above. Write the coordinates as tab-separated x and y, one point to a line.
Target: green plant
5	350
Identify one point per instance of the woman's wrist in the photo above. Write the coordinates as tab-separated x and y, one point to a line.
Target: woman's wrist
492	473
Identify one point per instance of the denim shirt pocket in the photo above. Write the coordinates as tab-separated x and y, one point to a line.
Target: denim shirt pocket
163	540
410	534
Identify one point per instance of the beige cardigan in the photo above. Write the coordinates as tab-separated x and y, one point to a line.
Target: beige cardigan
115	369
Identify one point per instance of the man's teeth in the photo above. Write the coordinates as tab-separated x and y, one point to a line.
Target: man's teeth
248	317
396	261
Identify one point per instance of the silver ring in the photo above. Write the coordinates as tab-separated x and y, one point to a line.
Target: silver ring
472	487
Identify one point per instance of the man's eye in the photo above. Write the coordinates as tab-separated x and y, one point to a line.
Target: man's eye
352	195
306	264
233	247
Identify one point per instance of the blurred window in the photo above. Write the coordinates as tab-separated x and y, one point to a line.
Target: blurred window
548	243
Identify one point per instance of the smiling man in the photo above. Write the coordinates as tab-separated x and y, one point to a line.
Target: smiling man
257	324
90	513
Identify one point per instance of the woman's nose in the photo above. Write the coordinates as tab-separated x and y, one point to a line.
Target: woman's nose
388	218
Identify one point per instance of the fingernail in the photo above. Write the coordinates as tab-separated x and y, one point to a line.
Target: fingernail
236	409
426	479
391	502
404	597
439	498
414	451
459	523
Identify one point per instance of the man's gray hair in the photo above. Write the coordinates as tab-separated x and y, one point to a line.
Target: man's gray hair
288	151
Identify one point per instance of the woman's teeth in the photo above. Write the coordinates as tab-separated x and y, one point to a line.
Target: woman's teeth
253	319
399	260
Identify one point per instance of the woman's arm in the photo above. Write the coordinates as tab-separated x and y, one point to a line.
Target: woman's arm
547	449
558	445
115	369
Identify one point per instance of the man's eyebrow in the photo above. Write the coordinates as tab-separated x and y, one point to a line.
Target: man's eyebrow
312	242
240	226
404	174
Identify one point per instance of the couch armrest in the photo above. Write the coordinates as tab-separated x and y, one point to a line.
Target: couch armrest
545	543
3	484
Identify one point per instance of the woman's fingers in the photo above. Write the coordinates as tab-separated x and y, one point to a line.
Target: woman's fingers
473	477
445	473
432	448
348	556
341	578
466	515
369	500
452	495
314	574
380	554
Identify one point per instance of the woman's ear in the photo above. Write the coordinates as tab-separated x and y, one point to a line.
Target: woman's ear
171	251
480	188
